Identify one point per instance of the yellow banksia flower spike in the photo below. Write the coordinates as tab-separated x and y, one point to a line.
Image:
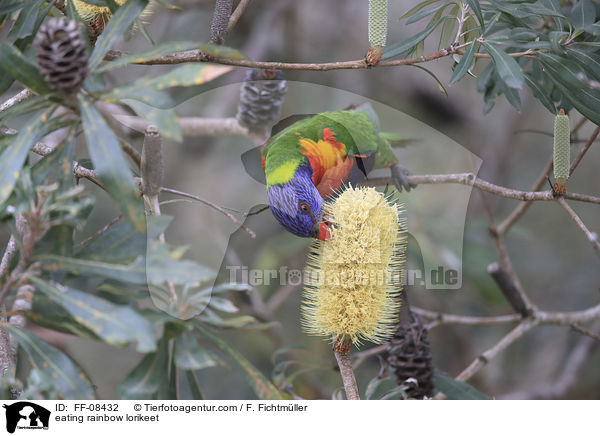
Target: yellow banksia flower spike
97	16
562	152
378	18
353	280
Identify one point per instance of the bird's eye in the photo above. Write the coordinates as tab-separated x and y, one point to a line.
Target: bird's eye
305	208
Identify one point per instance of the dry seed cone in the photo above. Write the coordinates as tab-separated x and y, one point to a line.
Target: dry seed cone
61	55
261	98
409	358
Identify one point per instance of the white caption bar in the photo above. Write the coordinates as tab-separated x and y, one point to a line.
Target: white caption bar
306	418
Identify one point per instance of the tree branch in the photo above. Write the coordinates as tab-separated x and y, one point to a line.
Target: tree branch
341	350
25	94
200	56
470	179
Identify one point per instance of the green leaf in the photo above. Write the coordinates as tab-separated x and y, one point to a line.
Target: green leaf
426	12
8	6
13	158
262	387
165	120
540	94
508	69
565	75
121	243
554	6
50	315
189	355
465	63
589	60
134	273
447	35
69	380
476	8
164	48
110	163
417	8
162	267
583	14
407	44
456	390
145	379
26	20
184	75
17	66
116	325
115	28
439	83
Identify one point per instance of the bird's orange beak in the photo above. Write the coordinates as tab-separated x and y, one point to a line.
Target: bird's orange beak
324	232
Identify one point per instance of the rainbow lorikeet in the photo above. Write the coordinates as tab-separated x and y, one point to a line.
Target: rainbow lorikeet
311	159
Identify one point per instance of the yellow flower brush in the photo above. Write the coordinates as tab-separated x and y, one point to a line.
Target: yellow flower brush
353	280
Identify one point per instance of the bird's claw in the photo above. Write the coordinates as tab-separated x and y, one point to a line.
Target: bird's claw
400	178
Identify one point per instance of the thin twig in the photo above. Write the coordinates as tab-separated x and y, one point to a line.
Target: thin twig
192	126
361	356
212	205
585	332
439	318
26	94
488	355
584	150
237	13
97	233
521	208
591	236
279	297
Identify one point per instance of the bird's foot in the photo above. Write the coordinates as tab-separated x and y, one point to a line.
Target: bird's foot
400	178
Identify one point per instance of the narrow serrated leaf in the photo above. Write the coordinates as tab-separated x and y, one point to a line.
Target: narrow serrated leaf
146	378
109	161
116	324
189	355
17	66
70	382
262	387
13	157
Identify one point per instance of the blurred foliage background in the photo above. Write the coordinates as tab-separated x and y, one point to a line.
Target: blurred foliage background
556	265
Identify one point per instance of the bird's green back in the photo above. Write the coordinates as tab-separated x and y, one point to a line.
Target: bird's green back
356	129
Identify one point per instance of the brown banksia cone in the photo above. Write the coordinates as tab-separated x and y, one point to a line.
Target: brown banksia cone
61	55
409	358
261	98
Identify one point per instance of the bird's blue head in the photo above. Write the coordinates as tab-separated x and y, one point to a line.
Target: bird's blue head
298	206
